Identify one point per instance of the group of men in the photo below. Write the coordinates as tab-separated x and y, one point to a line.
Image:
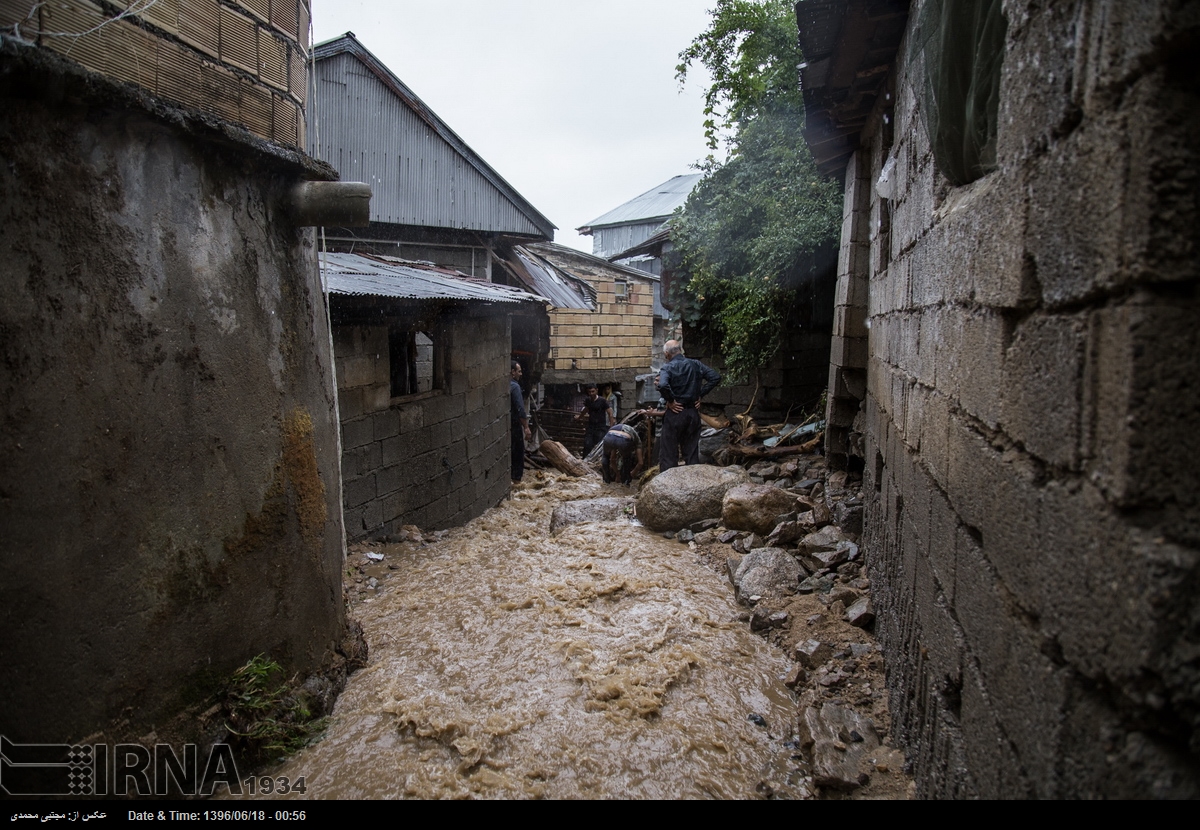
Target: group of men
682	383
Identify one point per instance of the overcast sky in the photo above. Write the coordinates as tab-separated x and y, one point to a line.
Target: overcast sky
574	104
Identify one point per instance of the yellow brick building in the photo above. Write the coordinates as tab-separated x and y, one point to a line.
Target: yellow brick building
613	341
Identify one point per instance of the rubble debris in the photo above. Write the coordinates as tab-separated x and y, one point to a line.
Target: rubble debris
839	742
861	613
766	572
755	507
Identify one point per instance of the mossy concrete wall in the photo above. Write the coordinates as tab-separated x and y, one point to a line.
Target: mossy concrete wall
169	498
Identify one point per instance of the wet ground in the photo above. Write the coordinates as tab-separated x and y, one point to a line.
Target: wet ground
605	662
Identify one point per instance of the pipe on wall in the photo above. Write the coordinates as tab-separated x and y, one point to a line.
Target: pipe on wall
331	204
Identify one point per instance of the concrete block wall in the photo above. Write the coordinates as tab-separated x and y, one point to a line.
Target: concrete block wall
1032	422
795	378
436	459
848	347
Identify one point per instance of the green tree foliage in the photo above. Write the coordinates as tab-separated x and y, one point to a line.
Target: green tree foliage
752	229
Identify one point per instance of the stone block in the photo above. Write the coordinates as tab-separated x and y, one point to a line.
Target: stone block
1078	210
359	491
943	542
994	766
1043	371
357	432
928	338
350	403
390	479
386	424
935	435
850	321
980	375
845	351
1028	691
356	371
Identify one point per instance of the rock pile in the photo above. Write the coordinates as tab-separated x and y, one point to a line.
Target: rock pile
788	541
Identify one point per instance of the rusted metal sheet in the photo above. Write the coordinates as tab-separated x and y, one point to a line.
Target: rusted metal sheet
561	289
354	274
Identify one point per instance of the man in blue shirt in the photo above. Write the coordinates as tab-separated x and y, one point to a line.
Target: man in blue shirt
682	383
520	423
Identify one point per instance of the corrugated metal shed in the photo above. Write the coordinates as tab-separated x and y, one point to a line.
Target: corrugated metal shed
357	275
374	129
657	203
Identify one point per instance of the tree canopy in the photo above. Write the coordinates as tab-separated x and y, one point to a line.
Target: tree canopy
751	231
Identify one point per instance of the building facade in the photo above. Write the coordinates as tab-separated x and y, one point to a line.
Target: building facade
423	364
170	499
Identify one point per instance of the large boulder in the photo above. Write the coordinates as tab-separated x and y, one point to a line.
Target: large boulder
682	495
766	572
756	507
588	510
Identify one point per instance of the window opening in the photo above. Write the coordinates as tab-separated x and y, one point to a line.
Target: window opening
415	362
963	49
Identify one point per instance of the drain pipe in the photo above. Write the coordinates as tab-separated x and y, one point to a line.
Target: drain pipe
330	204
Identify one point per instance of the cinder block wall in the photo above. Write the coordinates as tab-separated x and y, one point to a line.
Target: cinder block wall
1033	520
435	460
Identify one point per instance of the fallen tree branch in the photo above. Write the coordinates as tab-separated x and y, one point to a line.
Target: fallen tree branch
775	452
562	459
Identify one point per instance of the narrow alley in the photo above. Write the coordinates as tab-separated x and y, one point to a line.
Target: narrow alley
601	662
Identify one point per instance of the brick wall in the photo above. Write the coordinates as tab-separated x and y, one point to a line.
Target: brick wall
436	459
238	60
614	343
1033	523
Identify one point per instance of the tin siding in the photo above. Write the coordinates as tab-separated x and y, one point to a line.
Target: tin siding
417	178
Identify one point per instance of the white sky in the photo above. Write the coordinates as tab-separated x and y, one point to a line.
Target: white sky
574	104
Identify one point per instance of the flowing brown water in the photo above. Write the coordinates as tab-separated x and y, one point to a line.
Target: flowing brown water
600	663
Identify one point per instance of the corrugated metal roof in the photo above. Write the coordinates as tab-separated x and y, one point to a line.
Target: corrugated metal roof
563	290
354	274
373	128
563	252
656	203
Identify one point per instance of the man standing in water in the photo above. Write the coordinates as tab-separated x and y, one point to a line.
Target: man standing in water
520	423
682	382
599	418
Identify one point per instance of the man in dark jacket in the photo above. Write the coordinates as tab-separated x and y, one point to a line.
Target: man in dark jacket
682	383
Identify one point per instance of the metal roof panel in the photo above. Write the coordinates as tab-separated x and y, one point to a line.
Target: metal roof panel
656	203
354	274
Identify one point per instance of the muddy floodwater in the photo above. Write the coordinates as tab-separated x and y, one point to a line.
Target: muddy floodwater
604	662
